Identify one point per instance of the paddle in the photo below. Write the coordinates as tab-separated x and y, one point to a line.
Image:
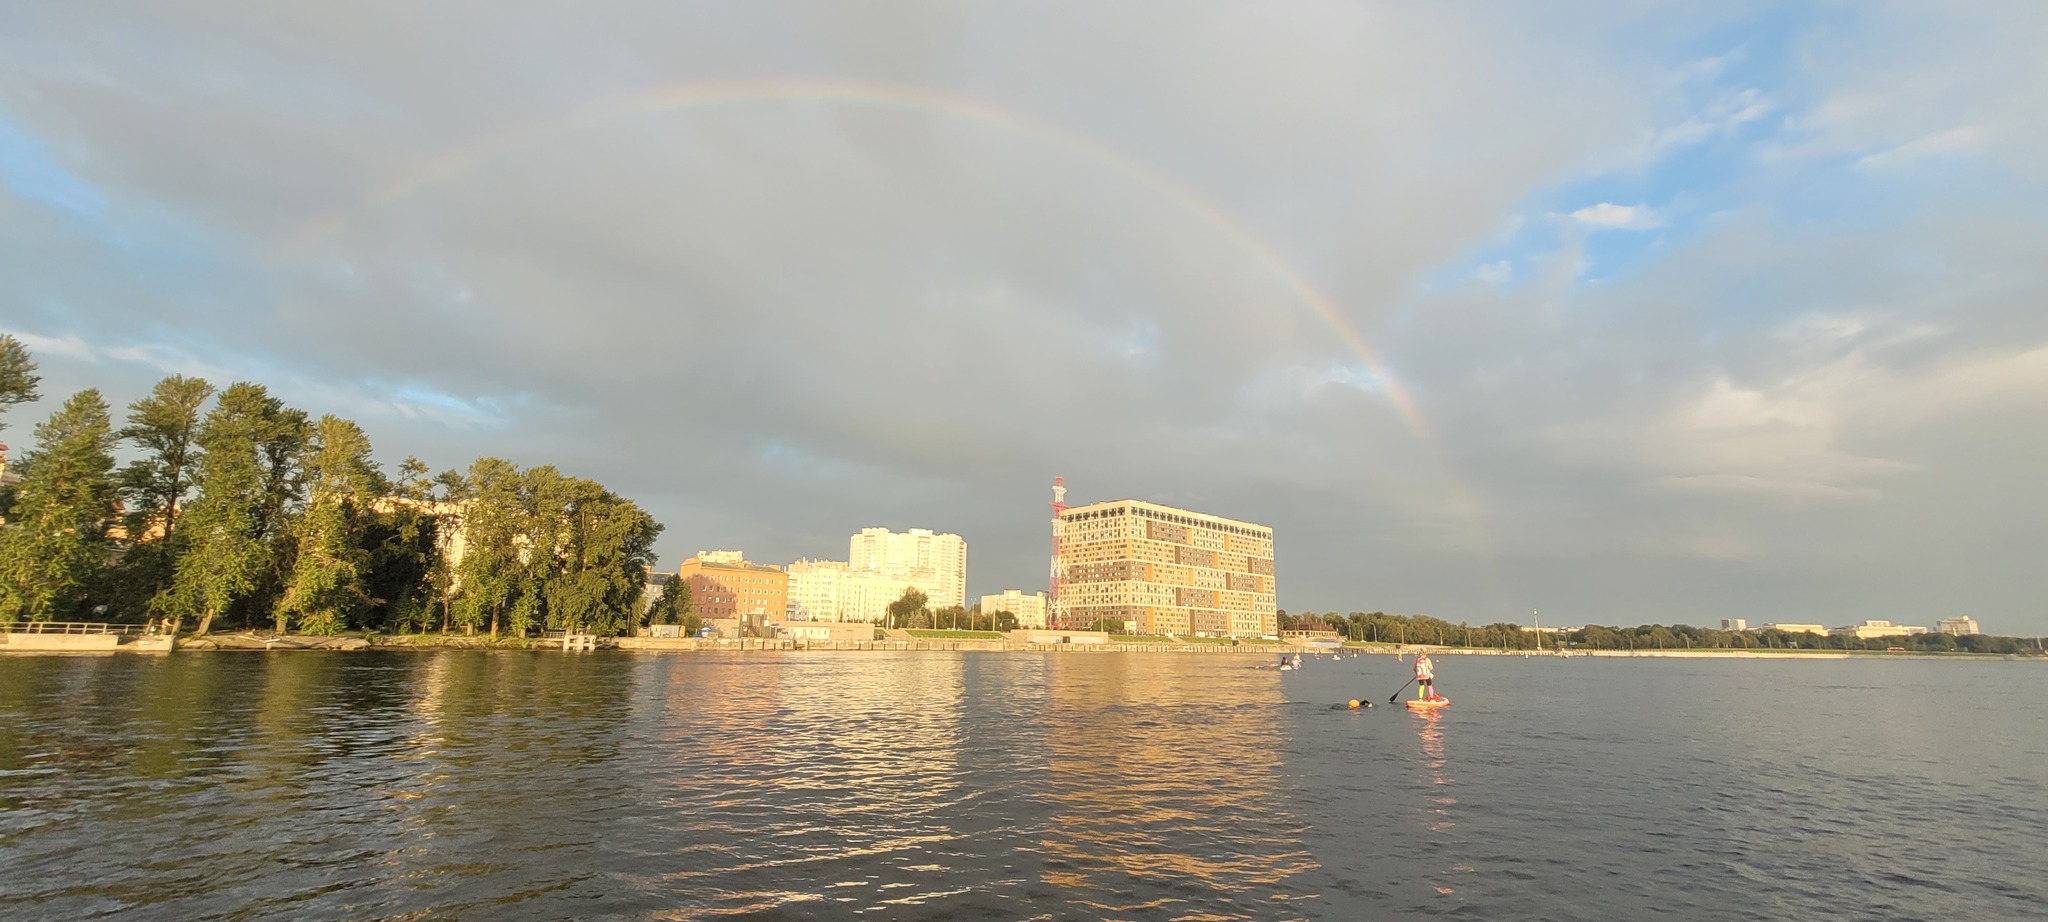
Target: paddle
1398	691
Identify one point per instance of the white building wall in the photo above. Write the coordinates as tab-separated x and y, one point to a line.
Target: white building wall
830	590
814	589
934	563
1029	609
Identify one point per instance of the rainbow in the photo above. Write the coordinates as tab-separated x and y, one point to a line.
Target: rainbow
880	95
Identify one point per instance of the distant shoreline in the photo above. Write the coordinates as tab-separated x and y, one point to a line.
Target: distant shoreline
252	641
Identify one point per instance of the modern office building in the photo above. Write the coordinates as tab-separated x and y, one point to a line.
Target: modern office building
1028	607
1873	629
1734	624
1960	625
1164	571
723	584
831	590
935	564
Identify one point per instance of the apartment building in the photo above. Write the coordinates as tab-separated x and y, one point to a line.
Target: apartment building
934	563
1164	570
831	590
1029	607
724	584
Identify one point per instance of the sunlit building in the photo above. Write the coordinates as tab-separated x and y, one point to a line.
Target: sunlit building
831	590
936	564
1028	607
1870	630
1165	571
1789	628
1960	625
1734	624
724	584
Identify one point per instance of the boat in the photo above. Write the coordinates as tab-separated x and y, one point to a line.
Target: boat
1428	704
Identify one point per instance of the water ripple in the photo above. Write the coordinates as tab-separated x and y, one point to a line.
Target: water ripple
509	786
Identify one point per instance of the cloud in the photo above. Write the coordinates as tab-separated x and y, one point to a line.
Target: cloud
1158	269
1963	139
69	346
1724	116
1609	216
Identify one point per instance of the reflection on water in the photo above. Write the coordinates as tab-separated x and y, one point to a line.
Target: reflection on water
511	786
1437	811
1165	796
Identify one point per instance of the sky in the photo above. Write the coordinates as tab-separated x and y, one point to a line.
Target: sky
1616	312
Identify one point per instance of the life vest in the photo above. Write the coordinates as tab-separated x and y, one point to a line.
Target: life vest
1424	669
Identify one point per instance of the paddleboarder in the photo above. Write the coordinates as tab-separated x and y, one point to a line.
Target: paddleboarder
1425	675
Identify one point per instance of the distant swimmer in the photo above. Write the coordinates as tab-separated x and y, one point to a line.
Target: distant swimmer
1425	677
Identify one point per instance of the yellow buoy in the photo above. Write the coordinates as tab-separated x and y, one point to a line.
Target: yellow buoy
1354	704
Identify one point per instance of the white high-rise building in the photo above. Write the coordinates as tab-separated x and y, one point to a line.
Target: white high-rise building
1028	607
814	588
935	564
830	590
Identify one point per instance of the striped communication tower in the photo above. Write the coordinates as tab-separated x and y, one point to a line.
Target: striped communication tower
1055	617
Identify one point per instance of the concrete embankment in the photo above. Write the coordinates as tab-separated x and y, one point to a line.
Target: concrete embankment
251	641
30	642
685	644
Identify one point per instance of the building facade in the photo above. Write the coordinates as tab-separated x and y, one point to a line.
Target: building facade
1961	625
831	590
1870	630
1795	628
1165	571
1028	607
724	584
935	564
1734	624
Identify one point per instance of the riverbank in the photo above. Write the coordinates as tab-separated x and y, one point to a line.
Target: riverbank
247	641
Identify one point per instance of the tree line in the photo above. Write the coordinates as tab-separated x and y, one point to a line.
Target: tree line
1381	627
240	510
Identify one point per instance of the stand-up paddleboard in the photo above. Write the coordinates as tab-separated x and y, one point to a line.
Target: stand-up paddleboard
1428	704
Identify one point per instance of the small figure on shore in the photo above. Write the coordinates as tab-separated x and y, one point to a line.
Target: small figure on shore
1425	677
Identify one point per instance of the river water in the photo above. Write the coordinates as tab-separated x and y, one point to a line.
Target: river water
511	786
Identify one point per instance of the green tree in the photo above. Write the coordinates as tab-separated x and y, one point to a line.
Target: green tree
327	592
224	552
490	566
673	605
165	426
52	552
1006	621
603	547
450	496
904	611
402	536
281	456
18	377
